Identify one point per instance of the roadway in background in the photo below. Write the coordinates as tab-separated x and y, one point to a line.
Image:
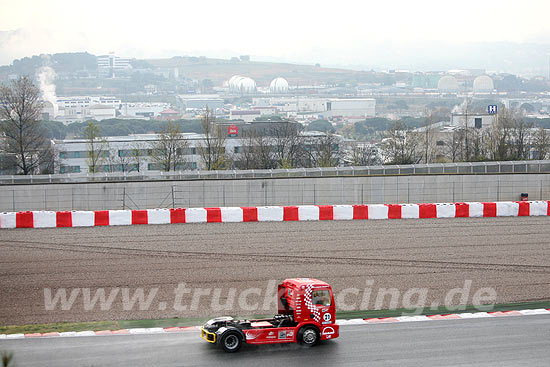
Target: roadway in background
511	255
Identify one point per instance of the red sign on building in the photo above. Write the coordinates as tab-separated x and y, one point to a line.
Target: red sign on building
233	130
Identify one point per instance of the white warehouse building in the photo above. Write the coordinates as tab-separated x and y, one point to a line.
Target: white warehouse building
353	108
473	120
119	152
74	109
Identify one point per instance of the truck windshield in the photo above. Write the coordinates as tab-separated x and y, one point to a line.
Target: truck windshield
321	298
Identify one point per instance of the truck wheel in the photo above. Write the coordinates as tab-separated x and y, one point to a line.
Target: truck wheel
231	341
308	336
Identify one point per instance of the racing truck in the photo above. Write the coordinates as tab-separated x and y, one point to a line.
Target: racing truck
306	315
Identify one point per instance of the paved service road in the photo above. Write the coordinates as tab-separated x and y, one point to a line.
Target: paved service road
511	255
507	341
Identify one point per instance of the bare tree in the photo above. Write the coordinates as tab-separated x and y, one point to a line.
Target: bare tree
541	143
111	160
212	148
97	148
323	151
170	150
8	161
246	157
288	146
363	154
466	109
256	152
499	136
138	151
25	139
478	145
119	160
400	145
427	137
520	139
265	152
452	145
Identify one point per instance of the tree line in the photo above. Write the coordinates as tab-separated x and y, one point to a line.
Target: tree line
510	137
285	146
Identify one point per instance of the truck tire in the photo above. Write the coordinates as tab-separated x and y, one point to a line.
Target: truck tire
231	341
308	336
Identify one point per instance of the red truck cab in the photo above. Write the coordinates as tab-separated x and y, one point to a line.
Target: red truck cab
307	315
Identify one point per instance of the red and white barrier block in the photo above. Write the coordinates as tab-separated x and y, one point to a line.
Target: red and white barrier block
48	219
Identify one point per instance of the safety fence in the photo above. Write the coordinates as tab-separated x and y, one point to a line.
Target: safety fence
461	168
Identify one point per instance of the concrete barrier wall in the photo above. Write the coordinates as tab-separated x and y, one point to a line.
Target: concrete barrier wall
274	191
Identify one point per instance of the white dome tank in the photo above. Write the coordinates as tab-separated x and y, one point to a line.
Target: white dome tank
241	84
278	85
483	84
448	84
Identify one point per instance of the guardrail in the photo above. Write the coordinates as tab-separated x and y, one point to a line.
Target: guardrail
463	168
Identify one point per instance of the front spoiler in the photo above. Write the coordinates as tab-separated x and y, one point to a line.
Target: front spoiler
208	336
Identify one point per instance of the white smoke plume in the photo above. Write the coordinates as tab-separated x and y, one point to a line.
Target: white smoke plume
46	77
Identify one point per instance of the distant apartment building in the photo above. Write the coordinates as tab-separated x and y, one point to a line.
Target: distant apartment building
109	65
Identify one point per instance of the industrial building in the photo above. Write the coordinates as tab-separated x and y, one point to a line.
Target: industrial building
201	101
350	109
119	152
80	108
142	110
473	120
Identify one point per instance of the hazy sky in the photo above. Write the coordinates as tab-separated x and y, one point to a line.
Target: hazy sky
307	31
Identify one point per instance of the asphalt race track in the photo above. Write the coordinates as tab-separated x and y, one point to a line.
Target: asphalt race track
511	255
507	341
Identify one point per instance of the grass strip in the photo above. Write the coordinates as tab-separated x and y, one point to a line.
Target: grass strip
60	327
